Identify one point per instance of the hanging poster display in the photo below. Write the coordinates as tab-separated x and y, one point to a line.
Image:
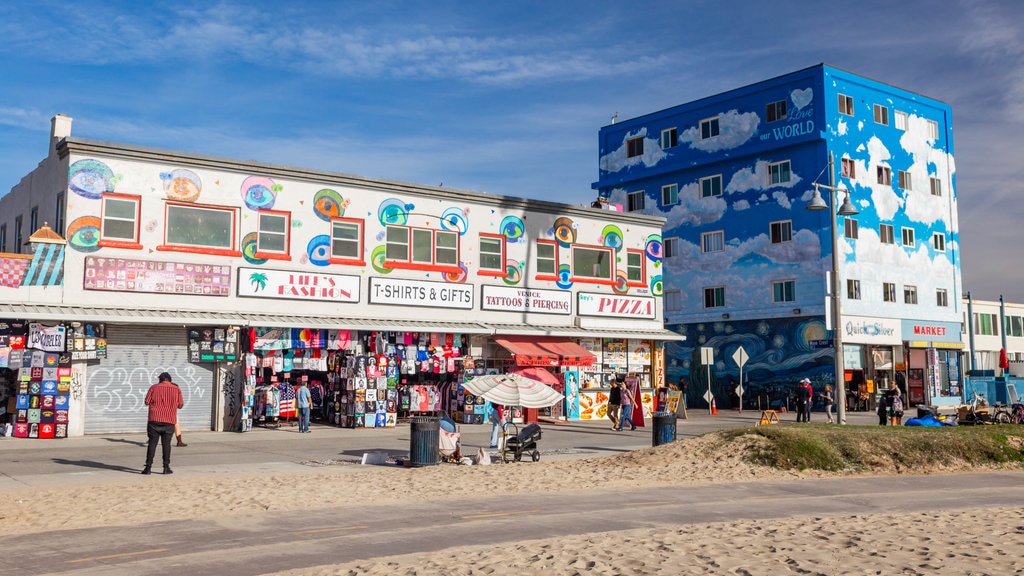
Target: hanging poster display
212	344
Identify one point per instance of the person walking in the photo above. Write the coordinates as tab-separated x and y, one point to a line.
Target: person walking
896	411
304	400
614	402
164	400
626	415
803	401
883	408
829	401
496	416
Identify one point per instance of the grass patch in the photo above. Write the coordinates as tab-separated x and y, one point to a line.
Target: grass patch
879	448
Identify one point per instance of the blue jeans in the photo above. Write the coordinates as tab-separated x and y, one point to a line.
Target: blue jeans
496	428
303	418
626	416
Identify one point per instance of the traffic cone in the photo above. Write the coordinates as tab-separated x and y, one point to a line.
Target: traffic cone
714	408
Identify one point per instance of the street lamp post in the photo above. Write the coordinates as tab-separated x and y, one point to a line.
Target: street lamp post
847	209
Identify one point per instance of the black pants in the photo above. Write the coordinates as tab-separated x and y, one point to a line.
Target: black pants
159	432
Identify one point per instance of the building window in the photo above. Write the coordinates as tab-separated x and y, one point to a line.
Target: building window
17	235
592	263
635	147
939	242
901	119
849	169
635	201
671	247
3	237
714	297
778	172
58	216
492	255
910	294
889	291
635	267
884	175
941	298
850	228
908	237
784	291
33	220
881	114
933	129
781	231
673	300
198	228
853	289
845	105
421	248
711	186
547	259
775	111
347	241
708	128
905	181
885	234
670	195
712	241
119	221
986	324
274	236
669	138
936	186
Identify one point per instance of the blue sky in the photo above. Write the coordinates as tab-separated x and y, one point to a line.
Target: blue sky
501	97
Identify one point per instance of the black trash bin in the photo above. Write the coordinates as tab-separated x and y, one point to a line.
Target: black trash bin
424	439
664	428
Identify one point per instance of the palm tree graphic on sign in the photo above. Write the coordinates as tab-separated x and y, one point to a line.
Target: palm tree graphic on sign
258	281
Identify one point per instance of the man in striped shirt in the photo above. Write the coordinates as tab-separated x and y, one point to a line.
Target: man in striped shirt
164	399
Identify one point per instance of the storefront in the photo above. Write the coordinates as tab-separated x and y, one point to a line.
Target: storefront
934	374
870	349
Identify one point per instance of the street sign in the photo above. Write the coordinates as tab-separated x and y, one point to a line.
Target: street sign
740	357
707	355
739	390
708	396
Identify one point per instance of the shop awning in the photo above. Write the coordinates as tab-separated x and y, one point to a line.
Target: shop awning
577	332
545	351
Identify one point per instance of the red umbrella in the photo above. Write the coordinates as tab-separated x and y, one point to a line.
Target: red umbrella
538	374
1004	363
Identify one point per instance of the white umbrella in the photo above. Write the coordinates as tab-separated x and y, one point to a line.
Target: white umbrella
513	390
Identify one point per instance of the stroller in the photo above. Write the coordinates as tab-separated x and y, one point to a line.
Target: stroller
519	442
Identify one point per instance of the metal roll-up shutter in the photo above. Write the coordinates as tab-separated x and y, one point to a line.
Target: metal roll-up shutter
116	386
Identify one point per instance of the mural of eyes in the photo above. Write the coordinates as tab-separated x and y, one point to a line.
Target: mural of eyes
249	249
565	231
564	277
84	234
612	237
377	260
181	185
90	179
513	274
151	225
512	228
259	193
656	285
393	211
329	204
454	219
459	276
319	250
621	285
654	248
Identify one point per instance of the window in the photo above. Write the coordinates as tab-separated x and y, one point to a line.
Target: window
17	235
939	242
3	237
889	291
673	300
33	220
885	234
845	105
347	241
853	289
784	291
850	228
669	138
492	255
941	298
635	267
775	111
986	324
712	241
119	221
910	294
635	147
635	201
849	169
936	186
908	237
781	231
933	129
905	181
778	172
592	263
884	175
58	216
547	259
901	119
708	128
671	247
274	236
714	297
711	186
670	194
421	248
881	114
199	228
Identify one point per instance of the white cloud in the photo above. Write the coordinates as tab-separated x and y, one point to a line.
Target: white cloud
783	200
734	129
694	210
740	205
616	160
921	206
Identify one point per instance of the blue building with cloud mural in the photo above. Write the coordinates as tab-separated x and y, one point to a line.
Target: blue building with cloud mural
746	264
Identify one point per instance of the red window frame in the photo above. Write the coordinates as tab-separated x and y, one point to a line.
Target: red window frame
433	266
586	279
272	255
125	244
361	224
551	277
642	282
184	248
502	272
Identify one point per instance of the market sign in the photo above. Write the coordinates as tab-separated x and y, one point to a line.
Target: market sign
261	283
616	306
128	275
508	299
419	294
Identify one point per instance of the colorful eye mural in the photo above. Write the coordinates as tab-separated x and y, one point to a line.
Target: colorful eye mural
454	219
564	231
621	285
90	179
457	277
181	185
329	204
654	248
393	211
564	277
84	234
377	260
513	272
259	193
611	237
319	250
656	285
249	249
512	228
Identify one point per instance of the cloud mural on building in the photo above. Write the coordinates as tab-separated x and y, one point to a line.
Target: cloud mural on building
734	130
618	158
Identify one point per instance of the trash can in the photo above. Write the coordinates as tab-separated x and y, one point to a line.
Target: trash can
664	427
424	441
